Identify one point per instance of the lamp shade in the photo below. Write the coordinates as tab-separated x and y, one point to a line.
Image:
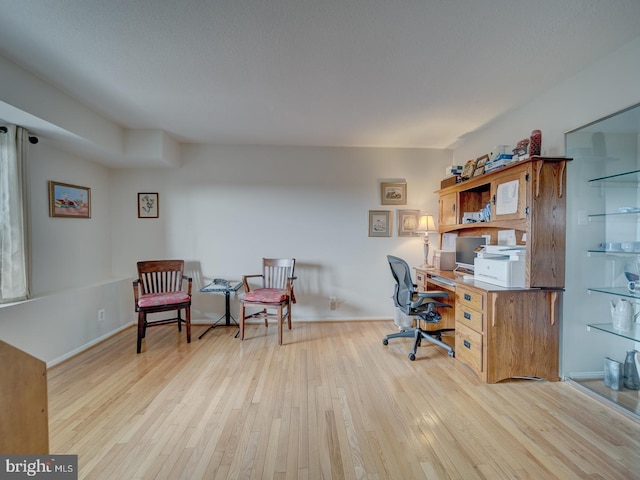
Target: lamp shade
426	223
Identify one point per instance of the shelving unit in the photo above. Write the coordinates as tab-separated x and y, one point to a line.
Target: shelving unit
537	216
607	151
625	400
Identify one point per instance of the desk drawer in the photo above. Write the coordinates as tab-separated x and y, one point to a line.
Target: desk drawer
469	317
469	298
469	348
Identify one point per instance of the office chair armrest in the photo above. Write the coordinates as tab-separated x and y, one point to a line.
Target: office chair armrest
431	296
245	283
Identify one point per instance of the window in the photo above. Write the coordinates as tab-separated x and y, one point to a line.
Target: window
14	283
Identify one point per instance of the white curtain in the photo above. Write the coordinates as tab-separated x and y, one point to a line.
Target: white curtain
14	263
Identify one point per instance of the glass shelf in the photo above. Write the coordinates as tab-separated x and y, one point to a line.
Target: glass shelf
632	177
617	291
613	252
608	327
613	214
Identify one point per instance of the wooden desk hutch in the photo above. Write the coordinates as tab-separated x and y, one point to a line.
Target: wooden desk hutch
505	332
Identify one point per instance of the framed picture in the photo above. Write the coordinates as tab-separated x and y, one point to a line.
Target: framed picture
147	205
379	223
468	169
408	223
393	193
480	165
71	201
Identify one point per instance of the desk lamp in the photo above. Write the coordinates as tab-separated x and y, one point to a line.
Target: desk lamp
427	225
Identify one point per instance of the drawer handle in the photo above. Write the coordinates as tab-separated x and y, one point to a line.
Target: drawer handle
467	315
467	296
467	344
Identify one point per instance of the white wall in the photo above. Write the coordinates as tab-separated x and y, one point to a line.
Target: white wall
222	211
71	266
229	206
603	88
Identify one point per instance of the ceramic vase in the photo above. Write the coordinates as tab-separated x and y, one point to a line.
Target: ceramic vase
631	378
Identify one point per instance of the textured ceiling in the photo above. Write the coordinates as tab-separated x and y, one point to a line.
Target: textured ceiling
403	73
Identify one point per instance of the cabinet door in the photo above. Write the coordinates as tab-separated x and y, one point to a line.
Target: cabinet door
448	209
547	230
509	195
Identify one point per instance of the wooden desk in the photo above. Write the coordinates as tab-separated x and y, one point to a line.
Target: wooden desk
501	333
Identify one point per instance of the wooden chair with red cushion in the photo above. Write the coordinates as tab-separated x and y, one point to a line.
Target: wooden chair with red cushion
159	288
275	293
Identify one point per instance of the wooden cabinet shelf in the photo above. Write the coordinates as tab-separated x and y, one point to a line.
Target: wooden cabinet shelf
526	196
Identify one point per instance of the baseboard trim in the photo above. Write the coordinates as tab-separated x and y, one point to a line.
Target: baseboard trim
86	346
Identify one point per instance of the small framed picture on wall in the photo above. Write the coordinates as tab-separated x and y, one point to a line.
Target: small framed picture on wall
148	205
408	223
393	193
379	223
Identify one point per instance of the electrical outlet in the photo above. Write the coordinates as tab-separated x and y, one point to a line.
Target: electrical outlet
583	217
101	314
333	303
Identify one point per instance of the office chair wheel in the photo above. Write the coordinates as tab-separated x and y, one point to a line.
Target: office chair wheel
385	341
412	356
452	353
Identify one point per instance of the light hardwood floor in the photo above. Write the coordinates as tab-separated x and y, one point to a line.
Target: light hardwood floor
331	403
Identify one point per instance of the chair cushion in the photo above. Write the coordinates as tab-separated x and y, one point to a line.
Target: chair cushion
266	295
159	299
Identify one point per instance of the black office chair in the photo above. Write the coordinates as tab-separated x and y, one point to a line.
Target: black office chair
422	305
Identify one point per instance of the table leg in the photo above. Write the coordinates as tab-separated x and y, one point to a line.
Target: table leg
227	316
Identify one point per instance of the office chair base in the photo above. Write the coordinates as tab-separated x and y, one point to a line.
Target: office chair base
418	334
434	337
400	334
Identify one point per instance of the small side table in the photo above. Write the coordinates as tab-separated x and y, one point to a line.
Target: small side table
226	287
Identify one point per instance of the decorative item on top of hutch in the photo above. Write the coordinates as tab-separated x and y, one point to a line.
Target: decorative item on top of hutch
609	212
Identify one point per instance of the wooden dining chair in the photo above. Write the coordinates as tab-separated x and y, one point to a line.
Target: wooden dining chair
159	288
274	295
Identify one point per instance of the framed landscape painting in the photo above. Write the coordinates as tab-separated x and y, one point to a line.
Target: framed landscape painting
71	201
